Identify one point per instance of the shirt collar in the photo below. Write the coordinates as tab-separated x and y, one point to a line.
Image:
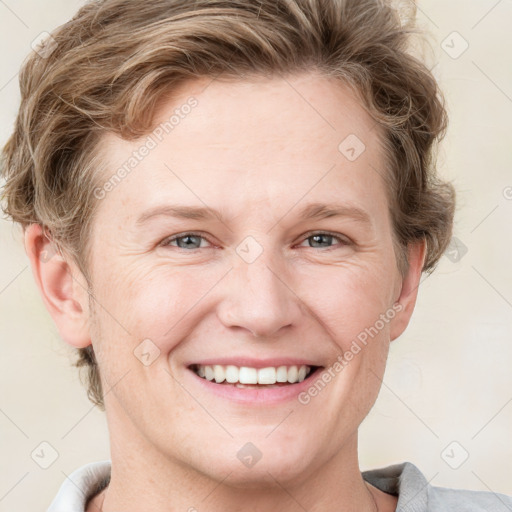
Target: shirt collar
79	486
404	480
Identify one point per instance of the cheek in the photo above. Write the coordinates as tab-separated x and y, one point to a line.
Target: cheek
155	302
350	299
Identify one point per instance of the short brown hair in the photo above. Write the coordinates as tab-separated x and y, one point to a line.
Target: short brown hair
112	63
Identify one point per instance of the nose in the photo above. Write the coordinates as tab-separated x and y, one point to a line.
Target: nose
259	298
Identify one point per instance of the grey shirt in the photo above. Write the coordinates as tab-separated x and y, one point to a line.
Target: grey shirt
415	494
404	480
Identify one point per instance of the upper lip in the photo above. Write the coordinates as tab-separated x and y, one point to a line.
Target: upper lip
253	362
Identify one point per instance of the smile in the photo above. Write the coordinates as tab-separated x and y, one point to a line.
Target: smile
258	382
247	376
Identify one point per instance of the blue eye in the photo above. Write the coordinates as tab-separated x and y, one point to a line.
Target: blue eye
189	241
192	241
322	237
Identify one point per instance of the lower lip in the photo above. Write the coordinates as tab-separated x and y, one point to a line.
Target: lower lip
256	396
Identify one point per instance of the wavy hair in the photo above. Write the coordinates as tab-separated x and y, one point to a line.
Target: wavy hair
110	66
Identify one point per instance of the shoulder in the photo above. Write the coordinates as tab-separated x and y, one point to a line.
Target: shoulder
441	498
416	494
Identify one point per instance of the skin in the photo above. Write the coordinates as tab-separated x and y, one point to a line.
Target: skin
258	151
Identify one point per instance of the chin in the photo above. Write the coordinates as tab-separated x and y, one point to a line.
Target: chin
263	475
260	463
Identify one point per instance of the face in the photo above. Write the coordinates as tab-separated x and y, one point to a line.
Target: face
259	283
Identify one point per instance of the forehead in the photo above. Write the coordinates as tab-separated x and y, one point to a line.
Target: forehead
245	144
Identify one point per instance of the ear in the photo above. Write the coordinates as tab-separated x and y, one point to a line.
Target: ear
409	288
62	286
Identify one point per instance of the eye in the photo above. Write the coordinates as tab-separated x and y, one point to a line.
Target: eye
184	241
321	238
192	240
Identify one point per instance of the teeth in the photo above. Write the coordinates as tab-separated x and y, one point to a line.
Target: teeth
209	373
231	374
293	374
282	374
246	375
219	373
267	375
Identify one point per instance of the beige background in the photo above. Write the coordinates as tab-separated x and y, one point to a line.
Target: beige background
448	377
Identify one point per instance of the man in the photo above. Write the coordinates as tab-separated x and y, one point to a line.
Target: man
228	195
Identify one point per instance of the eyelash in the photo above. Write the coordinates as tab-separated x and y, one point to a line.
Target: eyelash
166	242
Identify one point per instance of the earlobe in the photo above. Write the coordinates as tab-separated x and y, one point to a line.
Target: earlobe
409	288
63	288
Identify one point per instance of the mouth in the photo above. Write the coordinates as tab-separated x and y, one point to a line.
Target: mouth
246	377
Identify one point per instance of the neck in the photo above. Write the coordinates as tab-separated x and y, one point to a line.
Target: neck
146	479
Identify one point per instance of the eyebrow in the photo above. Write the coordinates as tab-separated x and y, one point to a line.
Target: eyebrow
311	211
